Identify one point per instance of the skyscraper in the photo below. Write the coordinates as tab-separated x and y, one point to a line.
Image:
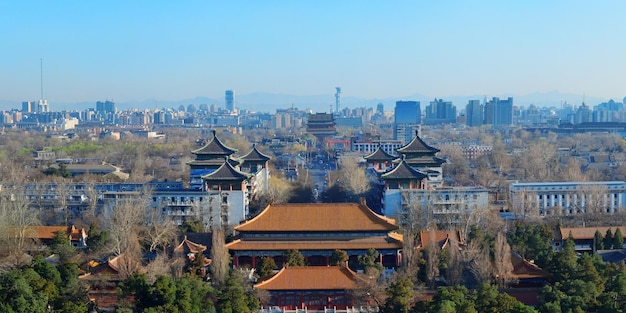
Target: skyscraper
230	100
406	115
499	112
474	113
439	111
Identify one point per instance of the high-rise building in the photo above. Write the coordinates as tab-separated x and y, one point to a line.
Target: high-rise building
406	115
43	106
439	111
474	113
499	112
230	100
27	106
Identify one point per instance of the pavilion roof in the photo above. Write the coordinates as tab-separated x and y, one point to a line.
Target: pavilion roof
379	155
213	162
215	147
417	145
424	160
403	171
226	172
187	246
317	217
311	278
392	241
255	155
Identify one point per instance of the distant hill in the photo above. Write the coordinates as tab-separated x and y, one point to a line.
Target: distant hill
269	102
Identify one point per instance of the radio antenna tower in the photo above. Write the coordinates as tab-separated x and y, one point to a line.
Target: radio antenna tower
337	99
41	78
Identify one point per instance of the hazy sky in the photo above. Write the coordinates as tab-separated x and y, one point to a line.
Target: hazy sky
171	50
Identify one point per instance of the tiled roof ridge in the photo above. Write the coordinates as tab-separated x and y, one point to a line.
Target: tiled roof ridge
362	207
215	141
255	154
382	218
232	172
417	144
379	154
406	166
267	281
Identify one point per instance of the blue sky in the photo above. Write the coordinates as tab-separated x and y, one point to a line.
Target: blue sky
172	50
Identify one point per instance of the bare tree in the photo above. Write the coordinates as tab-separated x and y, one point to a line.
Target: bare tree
477	261
502	261
159	230
353	177
16	219
124	225
432	260
279	189
220	258
455	262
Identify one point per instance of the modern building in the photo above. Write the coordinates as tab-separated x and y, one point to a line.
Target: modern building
446	206
440	112
474	113
366	147
230	100
407	115
499	112
567	198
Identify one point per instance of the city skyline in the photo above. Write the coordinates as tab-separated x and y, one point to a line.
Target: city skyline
135	51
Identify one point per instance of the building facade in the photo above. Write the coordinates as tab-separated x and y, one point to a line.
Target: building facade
567	198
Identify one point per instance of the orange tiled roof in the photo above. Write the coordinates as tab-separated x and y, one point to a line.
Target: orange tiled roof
522	268
315	217
441	237
588	232
43	232
378	242
311	278
188	246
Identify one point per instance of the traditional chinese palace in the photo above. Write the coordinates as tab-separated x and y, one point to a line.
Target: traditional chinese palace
311	288
316	230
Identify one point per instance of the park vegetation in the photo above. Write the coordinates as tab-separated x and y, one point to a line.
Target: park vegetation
431	279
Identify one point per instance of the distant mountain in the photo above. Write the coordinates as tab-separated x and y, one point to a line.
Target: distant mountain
269	102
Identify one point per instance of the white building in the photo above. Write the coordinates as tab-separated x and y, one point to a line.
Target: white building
566	198
449	205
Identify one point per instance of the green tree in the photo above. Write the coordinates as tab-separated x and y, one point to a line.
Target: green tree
137	287
458	295
293	258
192	226
301	194
339	258
564	264
488	299
399	296
266	267
233	298
598	241
608	239
368	262
62	246
618	239
96	239
533	243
